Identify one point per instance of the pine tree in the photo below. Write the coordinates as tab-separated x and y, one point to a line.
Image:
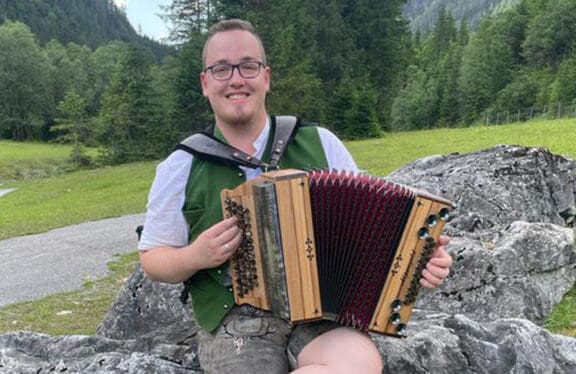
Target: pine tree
73	125
24	86
130	124
486	69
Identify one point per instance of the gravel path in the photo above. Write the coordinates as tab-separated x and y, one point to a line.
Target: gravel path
60	260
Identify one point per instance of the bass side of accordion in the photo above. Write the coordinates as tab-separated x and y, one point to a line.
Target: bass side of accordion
333	245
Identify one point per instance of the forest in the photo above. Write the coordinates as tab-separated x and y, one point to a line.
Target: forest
354	66
424	13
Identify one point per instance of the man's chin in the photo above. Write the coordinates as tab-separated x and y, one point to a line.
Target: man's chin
238	119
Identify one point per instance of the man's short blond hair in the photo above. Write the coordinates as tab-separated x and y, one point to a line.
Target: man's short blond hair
232	25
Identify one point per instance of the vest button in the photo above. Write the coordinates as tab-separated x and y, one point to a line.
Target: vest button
240	174
231	289
219	271
225	306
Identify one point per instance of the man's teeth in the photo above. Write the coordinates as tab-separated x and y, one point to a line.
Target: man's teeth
237	96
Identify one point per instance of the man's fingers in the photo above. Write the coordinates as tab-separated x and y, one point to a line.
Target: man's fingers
430	279
443	240
220	227
227	236
442	261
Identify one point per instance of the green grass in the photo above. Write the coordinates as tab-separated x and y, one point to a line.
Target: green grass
33	161
38	205
382	156
563	317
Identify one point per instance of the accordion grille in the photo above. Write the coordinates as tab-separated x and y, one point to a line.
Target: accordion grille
358	223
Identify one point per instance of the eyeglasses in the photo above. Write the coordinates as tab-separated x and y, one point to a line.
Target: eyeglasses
247	70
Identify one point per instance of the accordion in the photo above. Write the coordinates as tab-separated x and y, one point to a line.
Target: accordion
333	245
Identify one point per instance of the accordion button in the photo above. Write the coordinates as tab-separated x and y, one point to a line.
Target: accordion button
444	214
432	220
395	319
423	233
396	305
401	330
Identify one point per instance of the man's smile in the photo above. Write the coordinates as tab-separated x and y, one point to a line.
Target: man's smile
238	96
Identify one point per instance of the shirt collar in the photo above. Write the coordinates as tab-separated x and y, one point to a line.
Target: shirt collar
260	143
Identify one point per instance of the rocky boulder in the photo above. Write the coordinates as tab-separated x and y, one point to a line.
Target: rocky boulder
497	186
26	352
445	344
514	254
145	308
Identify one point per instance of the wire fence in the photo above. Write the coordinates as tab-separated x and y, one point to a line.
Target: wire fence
555	111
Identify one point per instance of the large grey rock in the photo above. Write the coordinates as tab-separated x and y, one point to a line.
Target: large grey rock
522	272
25	352
441	343
498	186
513	255
514	260
146	308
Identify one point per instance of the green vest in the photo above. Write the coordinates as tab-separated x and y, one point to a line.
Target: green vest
211	299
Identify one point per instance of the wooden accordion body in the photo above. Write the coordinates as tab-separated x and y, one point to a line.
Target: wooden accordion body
333	245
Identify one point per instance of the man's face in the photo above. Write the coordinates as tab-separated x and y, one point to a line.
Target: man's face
237	100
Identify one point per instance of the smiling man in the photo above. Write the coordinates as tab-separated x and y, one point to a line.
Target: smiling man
235	81
187	239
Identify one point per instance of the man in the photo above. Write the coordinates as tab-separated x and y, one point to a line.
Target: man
185	236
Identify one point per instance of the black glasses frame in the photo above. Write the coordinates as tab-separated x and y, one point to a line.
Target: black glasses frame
237	67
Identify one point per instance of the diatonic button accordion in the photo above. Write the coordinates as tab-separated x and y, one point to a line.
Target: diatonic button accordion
333	245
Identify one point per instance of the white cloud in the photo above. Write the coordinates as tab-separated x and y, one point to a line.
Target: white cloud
121	3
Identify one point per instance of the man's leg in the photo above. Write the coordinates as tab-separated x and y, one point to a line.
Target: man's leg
334	350
248	340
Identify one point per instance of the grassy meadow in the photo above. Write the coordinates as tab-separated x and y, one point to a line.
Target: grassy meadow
48	197
381	156
33	161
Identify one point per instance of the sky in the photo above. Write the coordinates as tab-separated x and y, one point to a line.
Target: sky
144	17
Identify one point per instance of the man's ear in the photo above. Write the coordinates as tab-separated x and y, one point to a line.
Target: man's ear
203	82
267	74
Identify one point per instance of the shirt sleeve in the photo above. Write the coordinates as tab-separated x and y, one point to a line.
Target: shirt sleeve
165	224
338	156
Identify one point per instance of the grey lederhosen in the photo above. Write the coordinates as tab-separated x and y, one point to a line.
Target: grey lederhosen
250	340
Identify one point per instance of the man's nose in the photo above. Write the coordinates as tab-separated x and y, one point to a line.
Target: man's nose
236	78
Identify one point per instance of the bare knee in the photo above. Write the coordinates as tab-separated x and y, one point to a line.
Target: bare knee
342	350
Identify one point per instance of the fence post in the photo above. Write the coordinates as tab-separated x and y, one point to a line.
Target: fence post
531	112
559	113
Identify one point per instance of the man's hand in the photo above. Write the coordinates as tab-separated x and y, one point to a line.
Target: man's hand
438	268
215	245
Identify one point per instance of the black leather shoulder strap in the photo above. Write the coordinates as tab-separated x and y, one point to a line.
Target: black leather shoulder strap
286	127
205	146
